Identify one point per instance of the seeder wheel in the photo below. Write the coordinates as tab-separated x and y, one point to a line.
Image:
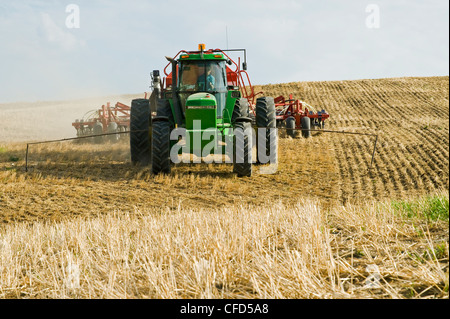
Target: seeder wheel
113	128
290	127
98	129
306	126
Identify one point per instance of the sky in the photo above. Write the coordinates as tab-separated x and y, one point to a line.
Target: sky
49	51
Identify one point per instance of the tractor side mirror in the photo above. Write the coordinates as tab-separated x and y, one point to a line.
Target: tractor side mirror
229	62
244	66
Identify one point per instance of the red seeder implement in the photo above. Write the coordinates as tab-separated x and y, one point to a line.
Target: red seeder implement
107	119
297	109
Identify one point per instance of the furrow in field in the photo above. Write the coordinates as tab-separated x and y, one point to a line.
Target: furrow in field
434	162
388	108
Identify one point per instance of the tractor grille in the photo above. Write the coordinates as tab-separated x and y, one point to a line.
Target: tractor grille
192	107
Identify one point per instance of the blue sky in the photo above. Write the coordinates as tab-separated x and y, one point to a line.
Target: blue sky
120	42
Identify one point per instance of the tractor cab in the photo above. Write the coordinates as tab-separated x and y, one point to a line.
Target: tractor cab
203	73
210	72
207	72
203	76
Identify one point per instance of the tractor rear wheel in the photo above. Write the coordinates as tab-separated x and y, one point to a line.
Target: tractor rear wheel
290	127
306	126
266	118
140	132
242	164
161	147
98	129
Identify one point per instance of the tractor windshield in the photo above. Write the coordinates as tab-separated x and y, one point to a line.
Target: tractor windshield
204	76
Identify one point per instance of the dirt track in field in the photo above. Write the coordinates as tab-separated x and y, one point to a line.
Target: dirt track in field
410	116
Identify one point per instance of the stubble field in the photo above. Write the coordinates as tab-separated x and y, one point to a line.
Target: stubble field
326	212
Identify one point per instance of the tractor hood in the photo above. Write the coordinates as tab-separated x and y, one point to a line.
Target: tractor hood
201	107
201	101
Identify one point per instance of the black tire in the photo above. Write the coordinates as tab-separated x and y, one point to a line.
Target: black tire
253	118
240	109
242	164
98	129
161	147
266	118
113	128
164	110
140	132
306	126
290	127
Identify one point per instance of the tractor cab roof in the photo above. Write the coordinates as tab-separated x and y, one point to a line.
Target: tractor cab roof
207	55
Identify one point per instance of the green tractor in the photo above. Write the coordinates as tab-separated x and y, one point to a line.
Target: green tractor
203	107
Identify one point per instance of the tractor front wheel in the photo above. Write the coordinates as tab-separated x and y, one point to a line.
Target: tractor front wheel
161	147
242	161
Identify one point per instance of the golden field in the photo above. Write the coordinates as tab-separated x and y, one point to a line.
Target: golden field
322	226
